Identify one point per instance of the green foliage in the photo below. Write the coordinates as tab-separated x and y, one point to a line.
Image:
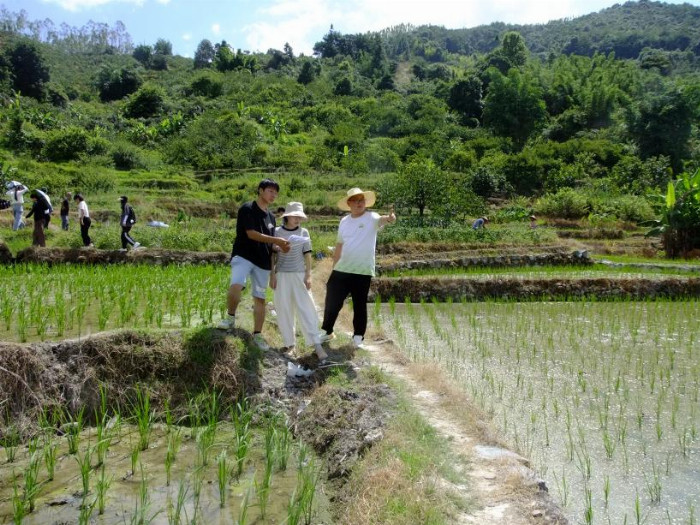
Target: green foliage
28	69
567	203
207	84
117	83
68	144
204	54
147	102
679	221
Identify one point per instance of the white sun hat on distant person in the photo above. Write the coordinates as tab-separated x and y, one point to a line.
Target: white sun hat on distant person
370	198
294	209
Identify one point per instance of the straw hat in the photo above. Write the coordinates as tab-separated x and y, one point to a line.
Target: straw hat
294	209
370	198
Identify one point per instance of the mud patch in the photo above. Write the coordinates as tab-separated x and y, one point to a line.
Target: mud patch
341	423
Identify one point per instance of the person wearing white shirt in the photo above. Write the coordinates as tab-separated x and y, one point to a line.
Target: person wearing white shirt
353	262
16	194
83	219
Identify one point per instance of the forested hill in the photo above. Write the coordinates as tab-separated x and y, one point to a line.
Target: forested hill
625	29
595	111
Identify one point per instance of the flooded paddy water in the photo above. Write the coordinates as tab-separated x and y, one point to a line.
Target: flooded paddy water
602	397
183	476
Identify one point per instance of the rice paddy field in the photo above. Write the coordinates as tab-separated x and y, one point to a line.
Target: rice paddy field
127	468
41	302
603	398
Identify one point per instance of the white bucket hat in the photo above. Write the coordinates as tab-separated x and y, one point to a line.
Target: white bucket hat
370	198
294	209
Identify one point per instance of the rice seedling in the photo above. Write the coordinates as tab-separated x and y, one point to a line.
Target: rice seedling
73	426
142	512
19	507
135	452
31	480
244	507
174	440
301	504
143	416
86	510
85	467
50	456
176	516
223	472
10	442
102	486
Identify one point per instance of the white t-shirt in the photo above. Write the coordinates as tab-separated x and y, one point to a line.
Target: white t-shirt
359	239
83	210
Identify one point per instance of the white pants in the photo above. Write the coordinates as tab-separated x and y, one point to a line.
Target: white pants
292	299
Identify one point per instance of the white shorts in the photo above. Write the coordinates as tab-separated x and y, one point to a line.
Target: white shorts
242	268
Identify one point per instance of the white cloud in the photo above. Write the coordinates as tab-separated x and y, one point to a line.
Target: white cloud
187	37
164	2
216	28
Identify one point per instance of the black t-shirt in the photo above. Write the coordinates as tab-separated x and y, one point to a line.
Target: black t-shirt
251	217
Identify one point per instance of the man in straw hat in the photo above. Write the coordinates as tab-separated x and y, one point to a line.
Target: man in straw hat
353	262
252	257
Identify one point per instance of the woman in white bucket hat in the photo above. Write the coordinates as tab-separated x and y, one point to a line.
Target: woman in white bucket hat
290	278
353	262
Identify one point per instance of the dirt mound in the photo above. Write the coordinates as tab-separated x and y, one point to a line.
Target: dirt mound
153	256
426	288
69	373
341	423
5	254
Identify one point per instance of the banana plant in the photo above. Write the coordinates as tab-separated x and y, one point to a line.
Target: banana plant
679	223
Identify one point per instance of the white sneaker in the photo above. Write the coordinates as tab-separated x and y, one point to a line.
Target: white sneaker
260	342
228	323
325	337
122	249
358	341
136	245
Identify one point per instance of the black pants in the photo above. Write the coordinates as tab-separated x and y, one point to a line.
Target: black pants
84	228
338	287
126	238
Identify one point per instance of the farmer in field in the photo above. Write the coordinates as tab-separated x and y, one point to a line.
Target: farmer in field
252	257
16	192
353	262
127	220
291	281
65	210
480	223
83	219
39	211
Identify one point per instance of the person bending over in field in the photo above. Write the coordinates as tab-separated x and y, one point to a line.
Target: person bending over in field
290	278
353	262
252	257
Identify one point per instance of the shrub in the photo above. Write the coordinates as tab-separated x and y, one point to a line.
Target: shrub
64	145
566	203
127	156
147	102
208	84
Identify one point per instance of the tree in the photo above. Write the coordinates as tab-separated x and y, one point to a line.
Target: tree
419	184
147	102
143	54
204	55
513	107
28	71
307	74
465	99
663	126
115	84
163	47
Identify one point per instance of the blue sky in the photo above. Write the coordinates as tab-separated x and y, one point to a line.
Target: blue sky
258	25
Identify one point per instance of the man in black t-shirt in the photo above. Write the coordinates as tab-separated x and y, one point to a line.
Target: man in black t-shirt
251	257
